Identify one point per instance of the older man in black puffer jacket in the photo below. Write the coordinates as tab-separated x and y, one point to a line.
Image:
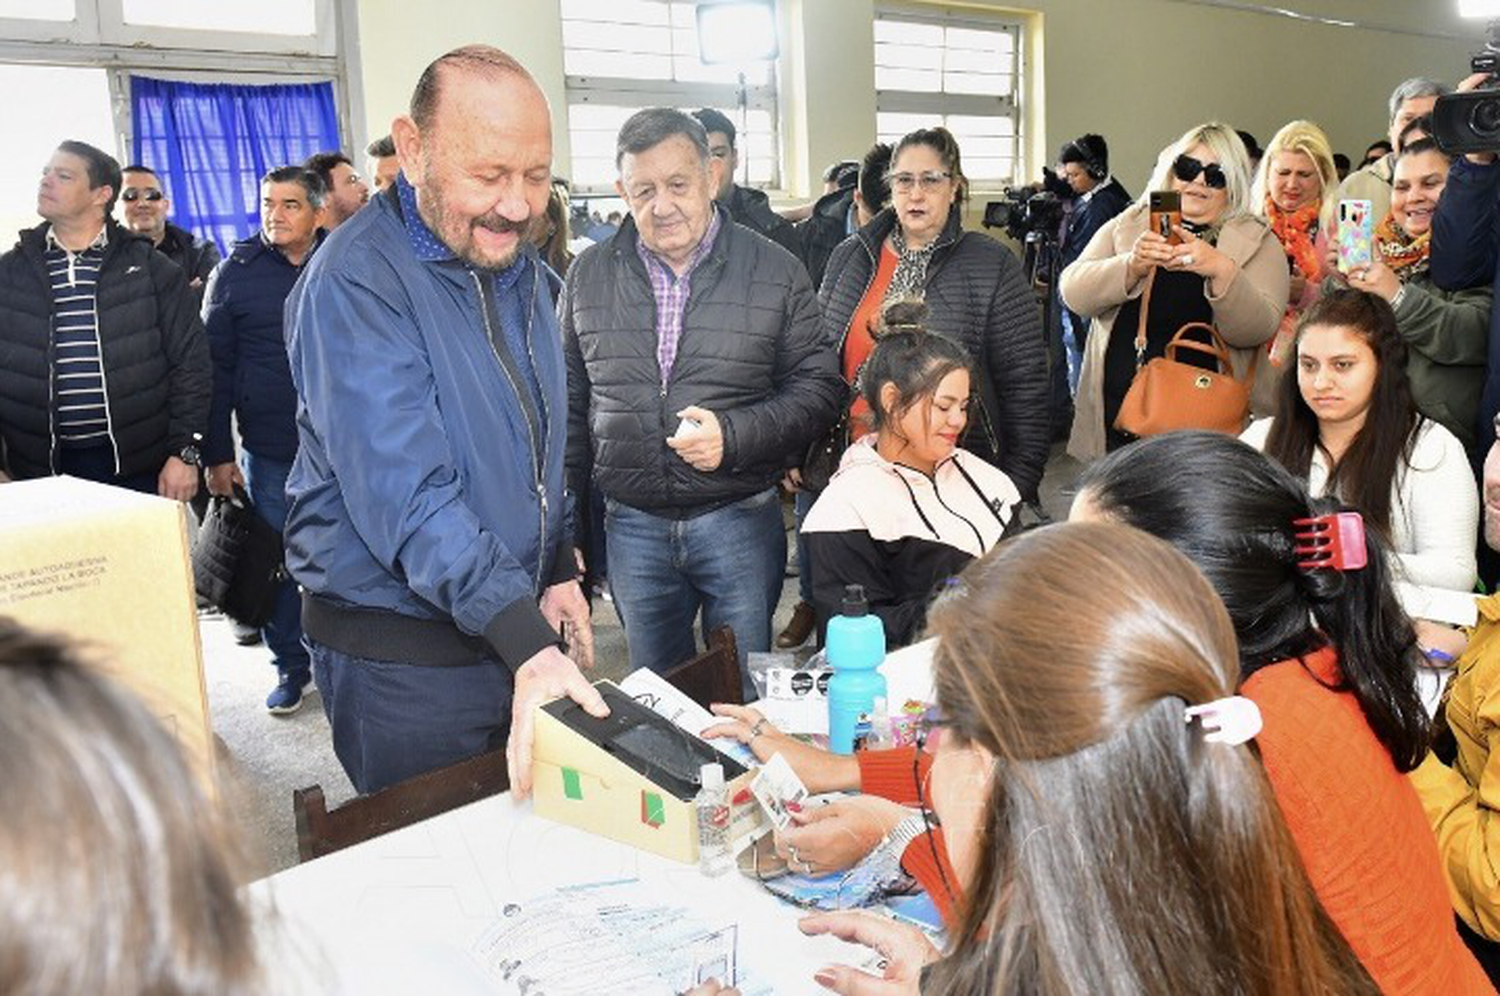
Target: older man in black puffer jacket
696	377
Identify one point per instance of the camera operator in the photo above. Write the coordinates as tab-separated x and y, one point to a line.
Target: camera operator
1465	252
1084	164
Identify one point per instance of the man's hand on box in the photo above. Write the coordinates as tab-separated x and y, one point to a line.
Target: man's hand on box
546	675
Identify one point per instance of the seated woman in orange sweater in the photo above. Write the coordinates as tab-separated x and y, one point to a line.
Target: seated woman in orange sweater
1334	754
1330	659
1110	825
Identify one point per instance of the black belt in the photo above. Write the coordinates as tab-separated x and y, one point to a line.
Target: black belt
381	635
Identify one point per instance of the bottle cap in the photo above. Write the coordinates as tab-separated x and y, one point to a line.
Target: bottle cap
855	602
711	775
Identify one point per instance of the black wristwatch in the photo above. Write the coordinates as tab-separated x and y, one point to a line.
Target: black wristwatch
189	455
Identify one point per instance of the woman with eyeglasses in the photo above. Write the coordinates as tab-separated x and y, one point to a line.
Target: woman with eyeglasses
1222	266
975	292
1105	813
1330	658
1295	175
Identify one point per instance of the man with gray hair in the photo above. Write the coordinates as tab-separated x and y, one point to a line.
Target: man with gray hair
696	378
1409	101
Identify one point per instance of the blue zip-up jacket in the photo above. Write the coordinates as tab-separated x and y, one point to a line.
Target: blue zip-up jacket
1465	250
426	501
242	314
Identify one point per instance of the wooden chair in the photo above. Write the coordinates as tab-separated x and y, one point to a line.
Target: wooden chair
322	831
712	676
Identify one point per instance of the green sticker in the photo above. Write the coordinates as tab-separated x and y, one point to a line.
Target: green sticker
653	812
571	788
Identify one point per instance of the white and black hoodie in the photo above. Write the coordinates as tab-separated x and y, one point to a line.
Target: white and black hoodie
902	534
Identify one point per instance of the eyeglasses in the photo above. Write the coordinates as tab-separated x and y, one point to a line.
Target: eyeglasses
135	194
931	180
928	729
1186	169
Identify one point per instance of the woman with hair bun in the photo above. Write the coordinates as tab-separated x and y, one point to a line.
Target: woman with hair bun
908	507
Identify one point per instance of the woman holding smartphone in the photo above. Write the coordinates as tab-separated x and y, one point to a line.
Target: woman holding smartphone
1446	332
1218	264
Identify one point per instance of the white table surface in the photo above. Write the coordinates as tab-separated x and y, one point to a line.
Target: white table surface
395	915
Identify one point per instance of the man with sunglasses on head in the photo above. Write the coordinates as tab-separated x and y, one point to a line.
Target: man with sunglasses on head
144	207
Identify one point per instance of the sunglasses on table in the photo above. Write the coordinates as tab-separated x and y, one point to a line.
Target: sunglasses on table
135	195
1186	169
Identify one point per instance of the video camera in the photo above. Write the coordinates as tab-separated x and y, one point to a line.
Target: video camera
1026	213
1470	122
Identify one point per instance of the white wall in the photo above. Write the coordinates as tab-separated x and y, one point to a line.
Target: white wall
1138	71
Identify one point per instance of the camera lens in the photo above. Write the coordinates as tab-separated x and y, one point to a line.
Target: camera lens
1484	118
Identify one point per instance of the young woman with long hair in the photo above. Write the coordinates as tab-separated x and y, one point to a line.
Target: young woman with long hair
909	507
1106	841
1330	657
1347	425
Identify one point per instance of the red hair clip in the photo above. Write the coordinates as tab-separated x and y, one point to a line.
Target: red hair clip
1333	542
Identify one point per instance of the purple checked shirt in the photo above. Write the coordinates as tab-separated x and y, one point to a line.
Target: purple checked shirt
671	293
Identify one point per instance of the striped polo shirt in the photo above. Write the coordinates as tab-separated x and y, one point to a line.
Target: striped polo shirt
78	396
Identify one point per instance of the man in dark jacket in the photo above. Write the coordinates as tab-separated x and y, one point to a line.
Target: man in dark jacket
104	369
427	524
146	206
696	378
246	297
748	207
1084	165
1466	253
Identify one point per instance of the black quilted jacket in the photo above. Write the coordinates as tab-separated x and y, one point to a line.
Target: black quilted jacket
976	294
156	368
750	352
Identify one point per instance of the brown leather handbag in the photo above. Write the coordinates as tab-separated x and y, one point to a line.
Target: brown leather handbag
1168	394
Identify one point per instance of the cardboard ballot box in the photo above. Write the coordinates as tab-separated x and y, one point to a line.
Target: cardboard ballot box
109	569
631	777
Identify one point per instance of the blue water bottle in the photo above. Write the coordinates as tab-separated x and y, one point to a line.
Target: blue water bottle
855	646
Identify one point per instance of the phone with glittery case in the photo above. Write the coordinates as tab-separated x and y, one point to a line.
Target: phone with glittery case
1356	235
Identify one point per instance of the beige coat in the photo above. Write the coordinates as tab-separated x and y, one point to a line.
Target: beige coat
1098	283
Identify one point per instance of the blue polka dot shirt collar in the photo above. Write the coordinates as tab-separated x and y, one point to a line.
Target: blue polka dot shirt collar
430	249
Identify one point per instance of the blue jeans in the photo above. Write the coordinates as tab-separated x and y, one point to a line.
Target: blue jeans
802	503
394	721
729	563
265	479
1074	339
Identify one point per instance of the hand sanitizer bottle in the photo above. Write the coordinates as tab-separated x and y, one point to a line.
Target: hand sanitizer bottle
712	807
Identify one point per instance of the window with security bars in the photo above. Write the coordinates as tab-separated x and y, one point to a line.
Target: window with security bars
623	55
959	71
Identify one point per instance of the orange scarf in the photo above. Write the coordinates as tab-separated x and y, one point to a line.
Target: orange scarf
1405	255
1295	230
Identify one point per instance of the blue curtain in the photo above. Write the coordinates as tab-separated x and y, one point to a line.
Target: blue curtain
210	143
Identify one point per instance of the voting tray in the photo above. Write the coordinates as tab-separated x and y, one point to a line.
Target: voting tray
630	777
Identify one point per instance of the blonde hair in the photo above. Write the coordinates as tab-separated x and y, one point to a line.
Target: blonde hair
1227	148
1296	136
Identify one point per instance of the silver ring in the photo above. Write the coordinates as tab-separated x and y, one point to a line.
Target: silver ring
792	855
1187	260
755	730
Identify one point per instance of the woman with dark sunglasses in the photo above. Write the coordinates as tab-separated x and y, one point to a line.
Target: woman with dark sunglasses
1222	266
